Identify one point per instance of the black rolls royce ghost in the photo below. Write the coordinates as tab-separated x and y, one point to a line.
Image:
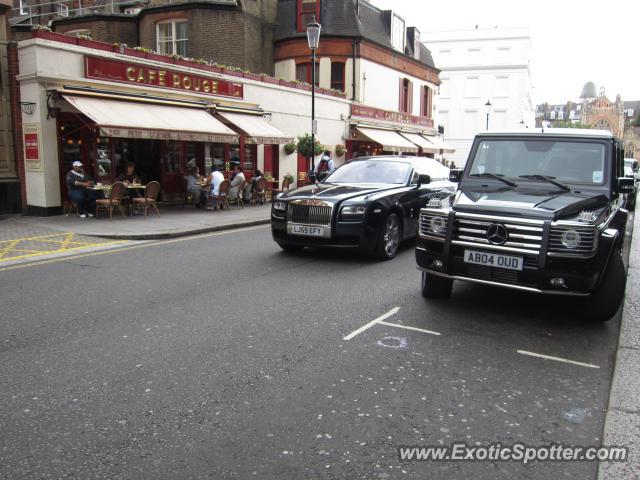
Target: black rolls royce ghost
371	204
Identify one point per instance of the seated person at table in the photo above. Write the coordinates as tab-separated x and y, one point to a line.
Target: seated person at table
215	179
130	176
252	186
78	185
195	189
238	179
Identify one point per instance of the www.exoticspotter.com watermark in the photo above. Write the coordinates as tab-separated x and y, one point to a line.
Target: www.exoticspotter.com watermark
517	452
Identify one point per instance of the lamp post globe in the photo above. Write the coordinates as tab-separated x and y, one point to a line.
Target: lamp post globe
313	37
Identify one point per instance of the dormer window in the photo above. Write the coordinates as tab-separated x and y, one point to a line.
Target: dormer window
307	9
560	115
171	37
398	34
552	116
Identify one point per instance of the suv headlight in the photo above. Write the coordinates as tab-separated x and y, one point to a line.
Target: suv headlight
573	240
433	224
352	213
570	239
279	205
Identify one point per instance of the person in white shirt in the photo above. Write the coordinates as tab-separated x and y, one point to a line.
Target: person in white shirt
215	179
236	183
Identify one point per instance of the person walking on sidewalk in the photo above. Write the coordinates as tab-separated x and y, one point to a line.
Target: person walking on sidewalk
78	185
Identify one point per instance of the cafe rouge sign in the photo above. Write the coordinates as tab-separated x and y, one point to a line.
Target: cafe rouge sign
131	73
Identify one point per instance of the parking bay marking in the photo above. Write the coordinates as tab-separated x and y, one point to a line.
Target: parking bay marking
557	359
381	320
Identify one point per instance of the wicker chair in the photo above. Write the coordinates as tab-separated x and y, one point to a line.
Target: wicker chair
286	184
117	191
222	199
150	198
259	193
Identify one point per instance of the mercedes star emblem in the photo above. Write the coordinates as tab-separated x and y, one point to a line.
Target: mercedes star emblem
497	234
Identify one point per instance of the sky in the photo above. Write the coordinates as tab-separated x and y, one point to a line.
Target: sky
572	41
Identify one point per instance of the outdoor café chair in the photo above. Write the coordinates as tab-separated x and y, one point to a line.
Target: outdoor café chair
239	198
222	199
114	200
150	198
259	194
286	184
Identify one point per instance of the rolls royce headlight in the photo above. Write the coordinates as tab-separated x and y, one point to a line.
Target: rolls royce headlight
571	239
278	205
352	212
438	225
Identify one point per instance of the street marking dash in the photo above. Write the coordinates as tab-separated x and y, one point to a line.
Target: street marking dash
557	359
390	313
407	327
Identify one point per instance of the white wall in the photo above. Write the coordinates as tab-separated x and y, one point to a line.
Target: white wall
481	65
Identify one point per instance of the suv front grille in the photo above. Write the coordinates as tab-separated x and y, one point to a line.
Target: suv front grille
310	214
521	235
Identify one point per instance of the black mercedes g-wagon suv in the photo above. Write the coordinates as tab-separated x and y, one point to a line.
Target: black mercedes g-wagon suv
536	210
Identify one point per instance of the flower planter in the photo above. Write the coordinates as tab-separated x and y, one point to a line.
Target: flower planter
88	43
287	83
134	53
56	37
211	68
185	63
268	79
252	76
233	73
157	57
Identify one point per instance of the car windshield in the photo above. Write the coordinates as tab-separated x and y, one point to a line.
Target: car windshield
564	161
371	171
431	167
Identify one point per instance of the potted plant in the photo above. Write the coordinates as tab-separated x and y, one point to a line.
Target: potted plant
289	178
290	148
305	148
340	150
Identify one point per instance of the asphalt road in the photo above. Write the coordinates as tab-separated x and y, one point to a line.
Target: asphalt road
222	357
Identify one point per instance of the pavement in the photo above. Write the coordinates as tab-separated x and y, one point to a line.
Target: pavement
220	356
173	222
622	425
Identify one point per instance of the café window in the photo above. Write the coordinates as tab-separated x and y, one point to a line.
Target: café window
304	73
249	157
427	102
172	37
337	76
307	9
104	163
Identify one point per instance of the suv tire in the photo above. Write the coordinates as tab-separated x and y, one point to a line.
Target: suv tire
434	286
604	301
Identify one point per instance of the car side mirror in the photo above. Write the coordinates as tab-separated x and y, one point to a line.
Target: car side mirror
455	175
423	180
626	185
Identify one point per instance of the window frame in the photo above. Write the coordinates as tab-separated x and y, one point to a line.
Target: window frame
342	81
300	13
426	102
174	41
24	8
307	67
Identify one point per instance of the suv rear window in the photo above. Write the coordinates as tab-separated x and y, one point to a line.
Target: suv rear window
565	161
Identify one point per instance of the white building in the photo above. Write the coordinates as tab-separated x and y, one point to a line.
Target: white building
477	66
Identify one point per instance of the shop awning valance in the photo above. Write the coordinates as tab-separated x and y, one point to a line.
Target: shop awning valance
440	144
256	128
150	121
390	140
422	142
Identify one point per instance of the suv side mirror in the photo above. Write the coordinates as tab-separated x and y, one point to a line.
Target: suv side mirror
423	180
626	185
455	175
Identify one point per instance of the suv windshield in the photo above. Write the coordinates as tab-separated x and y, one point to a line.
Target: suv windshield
564	161
371	171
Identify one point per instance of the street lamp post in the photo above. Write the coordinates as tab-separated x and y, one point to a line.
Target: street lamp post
313	37
487	107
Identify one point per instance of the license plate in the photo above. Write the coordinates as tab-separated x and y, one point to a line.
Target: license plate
307	230
493	260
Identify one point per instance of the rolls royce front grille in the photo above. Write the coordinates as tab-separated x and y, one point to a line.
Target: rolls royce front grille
310	214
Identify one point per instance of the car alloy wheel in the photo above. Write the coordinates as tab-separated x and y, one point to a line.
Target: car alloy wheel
391	236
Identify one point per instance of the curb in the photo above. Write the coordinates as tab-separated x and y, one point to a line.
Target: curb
622	422
178	233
